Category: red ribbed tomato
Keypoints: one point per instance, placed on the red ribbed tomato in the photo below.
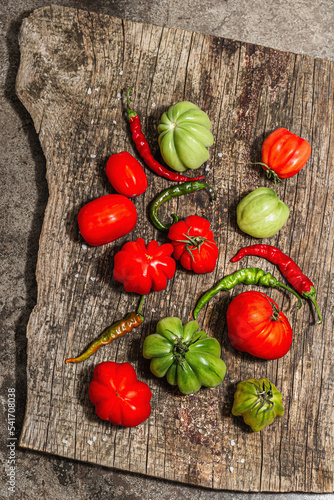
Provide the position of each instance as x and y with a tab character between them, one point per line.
284	153
106	219
194	244
142	268
118	395
126	174
257	326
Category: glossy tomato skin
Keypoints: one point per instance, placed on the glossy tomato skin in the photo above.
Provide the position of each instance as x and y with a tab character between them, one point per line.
200	257
126	174
142	268
106	219
285	153
118	395
253	329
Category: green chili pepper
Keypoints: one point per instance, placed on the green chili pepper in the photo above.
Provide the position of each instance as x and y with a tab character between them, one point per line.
248	276
115	331
181	189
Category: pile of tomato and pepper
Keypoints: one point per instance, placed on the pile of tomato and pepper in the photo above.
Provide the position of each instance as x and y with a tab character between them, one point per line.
181	352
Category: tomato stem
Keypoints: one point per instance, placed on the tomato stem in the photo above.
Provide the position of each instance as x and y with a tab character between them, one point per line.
270	173
194	241
264	394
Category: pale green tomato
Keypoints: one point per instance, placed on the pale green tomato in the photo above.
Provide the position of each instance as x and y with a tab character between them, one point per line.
261	213
184	135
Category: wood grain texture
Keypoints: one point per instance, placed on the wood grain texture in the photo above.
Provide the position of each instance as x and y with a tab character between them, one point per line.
75	68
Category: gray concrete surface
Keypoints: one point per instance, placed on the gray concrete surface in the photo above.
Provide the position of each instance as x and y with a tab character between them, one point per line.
301	26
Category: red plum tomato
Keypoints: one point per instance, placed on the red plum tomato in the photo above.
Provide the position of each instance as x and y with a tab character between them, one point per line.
126	174
106	219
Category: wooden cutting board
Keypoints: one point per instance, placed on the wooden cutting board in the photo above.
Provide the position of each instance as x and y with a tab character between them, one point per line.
75	69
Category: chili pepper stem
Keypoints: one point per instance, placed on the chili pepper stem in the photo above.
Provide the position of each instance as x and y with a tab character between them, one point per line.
309	296
140	305
292	291
131	112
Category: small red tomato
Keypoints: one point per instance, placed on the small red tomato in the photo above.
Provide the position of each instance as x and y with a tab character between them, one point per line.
284	153
257	326
194	244
143	268
118	395
106	219
126	174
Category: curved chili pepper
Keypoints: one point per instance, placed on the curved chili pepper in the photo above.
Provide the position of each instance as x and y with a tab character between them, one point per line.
290	270
167	194
115	331
247	276
145	151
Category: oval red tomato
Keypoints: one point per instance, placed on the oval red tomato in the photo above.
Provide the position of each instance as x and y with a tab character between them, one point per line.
284	153
118	395
194	244
106	219
257	326
126	174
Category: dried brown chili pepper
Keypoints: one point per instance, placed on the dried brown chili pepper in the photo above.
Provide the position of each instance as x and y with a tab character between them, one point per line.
145	151
290	270
115	331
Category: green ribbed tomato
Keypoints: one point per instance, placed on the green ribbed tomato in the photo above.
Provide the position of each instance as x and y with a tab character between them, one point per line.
261	213
184	135
186	356
258	402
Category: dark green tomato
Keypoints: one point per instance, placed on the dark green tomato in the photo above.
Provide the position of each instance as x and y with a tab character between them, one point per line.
187	357
258	402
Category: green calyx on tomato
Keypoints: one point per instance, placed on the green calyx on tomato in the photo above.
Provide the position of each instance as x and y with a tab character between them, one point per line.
258	402
261	213
187	357
184	135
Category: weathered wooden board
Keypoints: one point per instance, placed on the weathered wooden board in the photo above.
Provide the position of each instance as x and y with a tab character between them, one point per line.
75	68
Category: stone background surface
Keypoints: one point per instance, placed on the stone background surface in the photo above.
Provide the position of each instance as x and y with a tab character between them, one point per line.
301	26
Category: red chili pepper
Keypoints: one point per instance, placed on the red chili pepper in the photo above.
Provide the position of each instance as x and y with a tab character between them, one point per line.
290	270
145	151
